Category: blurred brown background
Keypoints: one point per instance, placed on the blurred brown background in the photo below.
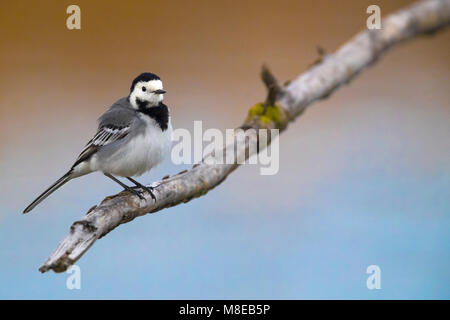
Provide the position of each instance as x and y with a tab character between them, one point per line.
55	82
209	54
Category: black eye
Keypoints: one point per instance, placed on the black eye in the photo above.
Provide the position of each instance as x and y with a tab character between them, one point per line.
144	89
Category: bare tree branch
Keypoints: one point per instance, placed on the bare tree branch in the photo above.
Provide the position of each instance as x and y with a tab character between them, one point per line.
324	77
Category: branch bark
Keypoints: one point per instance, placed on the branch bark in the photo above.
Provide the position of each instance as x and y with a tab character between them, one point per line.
323	78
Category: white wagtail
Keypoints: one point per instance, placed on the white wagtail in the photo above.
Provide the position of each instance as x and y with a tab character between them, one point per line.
133	136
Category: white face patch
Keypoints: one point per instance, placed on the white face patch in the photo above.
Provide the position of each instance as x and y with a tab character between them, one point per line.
145	91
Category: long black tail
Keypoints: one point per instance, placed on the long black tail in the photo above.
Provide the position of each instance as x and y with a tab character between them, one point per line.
65	178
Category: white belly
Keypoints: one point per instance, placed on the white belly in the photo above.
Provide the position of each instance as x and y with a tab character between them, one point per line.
140	154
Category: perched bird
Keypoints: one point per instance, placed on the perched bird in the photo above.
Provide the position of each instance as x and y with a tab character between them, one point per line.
133	136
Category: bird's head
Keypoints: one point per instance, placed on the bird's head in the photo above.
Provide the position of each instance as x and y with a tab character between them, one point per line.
146	91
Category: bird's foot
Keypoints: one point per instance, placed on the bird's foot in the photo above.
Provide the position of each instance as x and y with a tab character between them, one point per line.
150	191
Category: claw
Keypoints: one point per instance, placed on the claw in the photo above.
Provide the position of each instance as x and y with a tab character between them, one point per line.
149	190
145	188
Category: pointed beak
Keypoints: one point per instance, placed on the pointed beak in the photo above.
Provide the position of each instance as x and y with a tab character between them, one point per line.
160	91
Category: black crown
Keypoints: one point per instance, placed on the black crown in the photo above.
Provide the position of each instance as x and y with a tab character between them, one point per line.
146	76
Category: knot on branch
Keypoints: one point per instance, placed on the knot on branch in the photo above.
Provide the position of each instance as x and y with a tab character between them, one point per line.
86	226
273	88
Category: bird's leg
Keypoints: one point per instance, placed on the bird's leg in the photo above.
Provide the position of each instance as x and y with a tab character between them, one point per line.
148	189
135	192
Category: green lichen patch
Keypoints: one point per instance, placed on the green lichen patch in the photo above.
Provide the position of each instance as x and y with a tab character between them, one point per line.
266	114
